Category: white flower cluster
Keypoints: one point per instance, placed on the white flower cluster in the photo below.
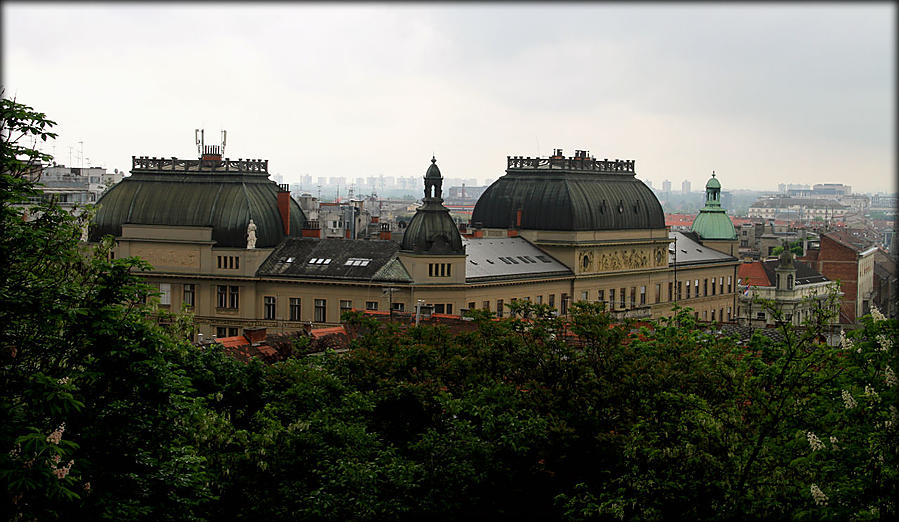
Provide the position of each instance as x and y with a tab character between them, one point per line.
877	315
818	495
849	400
871	392
889	376
833	443
886	344
845	342
814	441
56	436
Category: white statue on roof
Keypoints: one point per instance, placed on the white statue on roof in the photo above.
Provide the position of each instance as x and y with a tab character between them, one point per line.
251	235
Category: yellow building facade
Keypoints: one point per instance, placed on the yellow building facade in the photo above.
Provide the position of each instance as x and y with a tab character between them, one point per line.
233	246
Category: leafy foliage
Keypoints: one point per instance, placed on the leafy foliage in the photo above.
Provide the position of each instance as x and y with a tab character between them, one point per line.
106	414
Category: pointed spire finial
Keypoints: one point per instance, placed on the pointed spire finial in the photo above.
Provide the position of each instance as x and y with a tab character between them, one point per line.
433	158
713	173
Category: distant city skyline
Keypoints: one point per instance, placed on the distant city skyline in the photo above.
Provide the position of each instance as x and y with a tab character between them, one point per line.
762	94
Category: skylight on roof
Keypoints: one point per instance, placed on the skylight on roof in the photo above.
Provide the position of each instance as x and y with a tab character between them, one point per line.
357	261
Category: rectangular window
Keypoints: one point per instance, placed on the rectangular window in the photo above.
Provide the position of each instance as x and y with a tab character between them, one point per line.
670	293
499	307
232	331
658	292
688	289
189	298
713	286
564	304
584	295
236	262
539	299
713	315
219	258
430	269
294	308
269	307
234	297
552	300
320	315
705	286
439	308
623	298
471	305
600	296
760	316
642	295
449	307
221	331
371	305
728	313
221	296
611	299
728	284
165	293
680	289
486	305
399	307
345	306
633	296
696	286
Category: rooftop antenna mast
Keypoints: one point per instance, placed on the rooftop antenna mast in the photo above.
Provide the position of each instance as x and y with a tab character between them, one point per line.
224	139
198	137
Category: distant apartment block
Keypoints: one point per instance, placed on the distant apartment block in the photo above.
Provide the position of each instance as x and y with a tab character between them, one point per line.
797	209
685	187
75	187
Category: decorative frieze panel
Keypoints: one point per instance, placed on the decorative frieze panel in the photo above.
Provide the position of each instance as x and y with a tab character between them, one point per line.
609	259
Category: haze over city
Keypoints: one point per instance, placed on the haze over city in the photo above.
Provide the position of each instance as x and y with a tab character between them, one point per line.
762	94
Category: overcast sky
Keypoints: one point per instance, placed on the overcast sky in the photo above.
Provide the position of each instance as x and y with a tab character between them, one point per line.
761	93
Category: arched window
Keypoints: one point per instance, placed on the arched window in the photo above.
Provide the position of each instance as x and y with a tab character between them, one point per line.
790	282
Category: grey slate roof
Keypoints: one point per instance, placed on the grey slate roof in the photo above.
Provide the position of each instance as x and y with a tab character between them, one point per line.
568	200
805	274
225	201
509	258
340	259
690	252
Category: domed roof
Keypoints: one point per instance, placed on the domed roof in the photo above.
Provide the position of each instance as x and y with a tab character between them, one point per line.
713	224
432	230
224	200
786	257
568	197
433	171
712	221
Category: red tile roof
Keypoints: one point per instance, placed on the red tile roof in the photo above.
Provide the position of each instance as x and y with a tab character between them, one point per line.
753	274
232	342
318	333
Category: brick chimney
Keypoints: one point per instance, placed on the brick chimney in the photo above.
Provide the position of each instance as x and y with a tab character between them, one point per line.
312	229
284	206
254	335
385	231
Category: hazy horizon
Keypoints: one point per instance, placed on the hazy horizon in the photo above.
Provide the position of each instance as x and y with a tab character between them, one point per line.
760	93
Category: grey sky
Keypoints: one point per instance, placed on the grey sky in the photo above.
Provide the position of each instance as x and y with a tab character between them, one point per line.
761	93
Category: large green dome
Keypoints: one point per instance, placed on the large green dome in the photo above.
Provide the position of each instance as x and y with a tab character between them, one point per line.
712	221
714	225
